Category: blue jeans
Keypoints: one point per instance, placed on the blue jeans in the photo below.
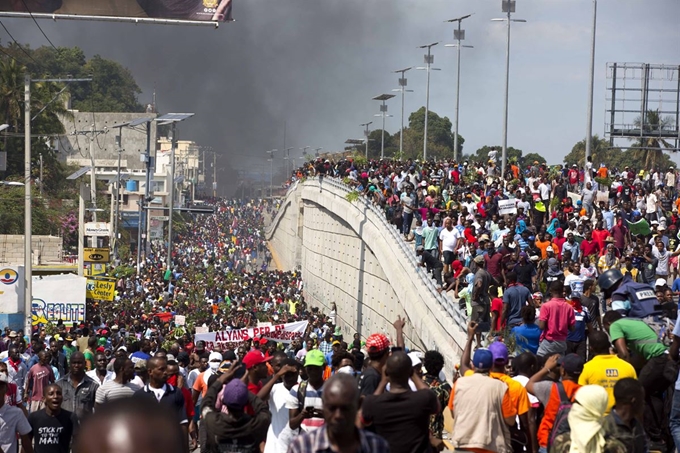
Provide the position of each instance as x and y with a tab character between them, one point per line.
406	226
542	450
674	419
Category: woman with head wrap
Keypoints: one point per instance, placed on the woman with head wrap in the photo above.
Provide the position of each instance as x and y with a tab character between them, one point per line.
587	434
554	225
521	226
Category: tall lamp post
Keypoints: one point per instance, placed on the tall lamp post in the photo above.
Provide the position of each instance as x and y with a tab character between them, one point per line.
508	7
287	158
172	118
271	171
589	124
383	113
458	35
429	60
402	89
365	125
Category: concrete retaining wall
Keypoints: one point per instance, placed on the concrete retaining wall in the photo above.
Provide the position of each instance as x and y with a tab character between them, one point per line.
351	256
46	249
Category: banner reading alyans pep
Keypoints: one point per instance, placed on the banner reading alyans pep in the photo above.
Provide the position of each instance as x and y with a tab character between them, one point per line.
283	333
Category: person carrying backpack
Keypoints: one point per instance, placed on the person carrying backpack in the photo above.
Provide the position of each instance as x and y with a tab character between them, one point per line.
556	397
586	431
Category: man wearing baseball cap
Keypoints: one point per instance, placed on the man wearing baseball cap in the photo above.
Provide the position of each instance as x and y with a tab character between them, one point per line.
256	367
473	398
235	429
378	348
305	405
551	394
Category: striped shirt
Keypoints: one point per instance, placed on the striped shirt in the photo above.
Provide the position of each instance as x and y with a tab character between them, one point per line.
317	442
312	399
112	390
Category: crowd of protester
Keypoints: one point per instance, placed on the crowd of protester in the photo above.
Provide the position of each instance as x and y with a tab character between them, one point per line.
571	345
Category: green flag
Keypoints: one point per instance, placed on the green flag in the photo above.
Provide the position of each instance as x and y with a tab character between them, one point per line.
167	275
641	227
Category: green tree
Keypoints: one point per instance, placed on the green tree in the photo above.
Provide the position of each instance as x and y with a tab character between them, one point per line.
482	154
440	137
611	156
530	158
648	150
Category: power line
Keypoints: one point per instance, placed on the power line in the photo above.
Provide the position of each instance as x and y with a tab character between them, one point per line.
94	124
10	56
18	45
38	25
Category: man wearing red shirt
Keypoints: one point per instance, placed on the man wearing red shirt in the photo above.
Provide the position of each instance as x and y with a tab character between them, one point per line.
559	241
600	235
556	320
256	366
589	246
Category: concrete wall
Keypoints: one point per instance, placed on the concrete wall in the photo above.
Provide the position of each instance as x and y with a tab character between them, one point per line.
46	249
133	141
351	256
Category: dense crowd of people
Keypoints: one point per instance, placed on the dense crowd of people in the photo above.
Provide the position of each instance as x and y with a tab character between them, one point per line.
572	346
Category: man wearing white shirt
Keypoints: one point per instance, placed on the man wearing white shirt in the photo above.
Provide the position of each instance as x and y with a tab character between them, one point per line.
450	240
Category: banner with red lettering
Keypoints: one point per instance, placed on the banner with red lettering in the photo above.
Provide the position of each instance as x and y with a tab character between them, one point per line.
230	339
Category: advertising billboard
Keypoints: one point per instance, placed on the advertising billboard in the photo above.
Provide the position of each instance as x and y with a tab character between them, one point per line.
175	10
58	297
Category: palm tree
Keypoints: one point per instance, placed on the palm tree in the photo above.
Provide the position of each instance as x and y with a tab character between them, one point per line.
11	91
649	148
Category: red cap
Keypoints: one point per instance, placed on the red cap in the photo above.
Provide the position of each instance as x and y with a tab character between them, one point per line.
254	358
263	341
377	342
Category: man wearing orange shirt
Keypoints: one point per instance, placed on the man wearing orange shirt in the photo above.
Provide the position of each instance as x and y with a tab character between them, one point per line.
548	392
476	396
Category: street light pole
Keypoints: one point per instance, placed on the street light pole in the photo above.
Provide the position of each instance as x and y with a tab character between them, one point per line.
28	220
429	60
172	197
458	35
402	89
508	6
383	113
589	124
271	172
366	135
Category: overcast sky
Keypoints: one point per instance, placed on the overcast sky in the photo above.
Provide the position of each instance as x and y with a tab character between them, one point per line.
315	64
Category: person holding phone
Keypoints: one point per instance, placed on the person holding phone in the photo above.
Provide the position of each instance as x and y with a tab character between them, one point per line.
304	403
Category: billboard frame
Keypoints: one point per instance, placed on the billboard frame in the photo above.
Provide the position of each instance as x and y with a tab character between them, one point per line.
134	20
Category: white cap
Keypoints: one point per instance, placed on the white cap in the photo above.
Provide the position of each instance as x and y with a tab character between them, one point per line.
415	358
661	282
549	249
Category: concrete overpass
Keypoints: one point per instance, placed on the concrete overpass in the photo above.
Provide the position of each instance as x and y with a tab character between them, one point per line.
350	255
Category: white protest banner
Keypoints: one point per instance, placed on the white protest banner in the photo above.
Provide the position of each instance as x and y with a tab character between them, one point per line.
283	333
180	320
201	329
602	196
507	207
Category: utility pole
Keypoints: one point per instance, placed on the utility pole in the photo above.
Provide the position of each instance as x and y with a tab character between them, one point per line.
92	135
402	89
458	35
429	60
114	235
214	175
41	176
